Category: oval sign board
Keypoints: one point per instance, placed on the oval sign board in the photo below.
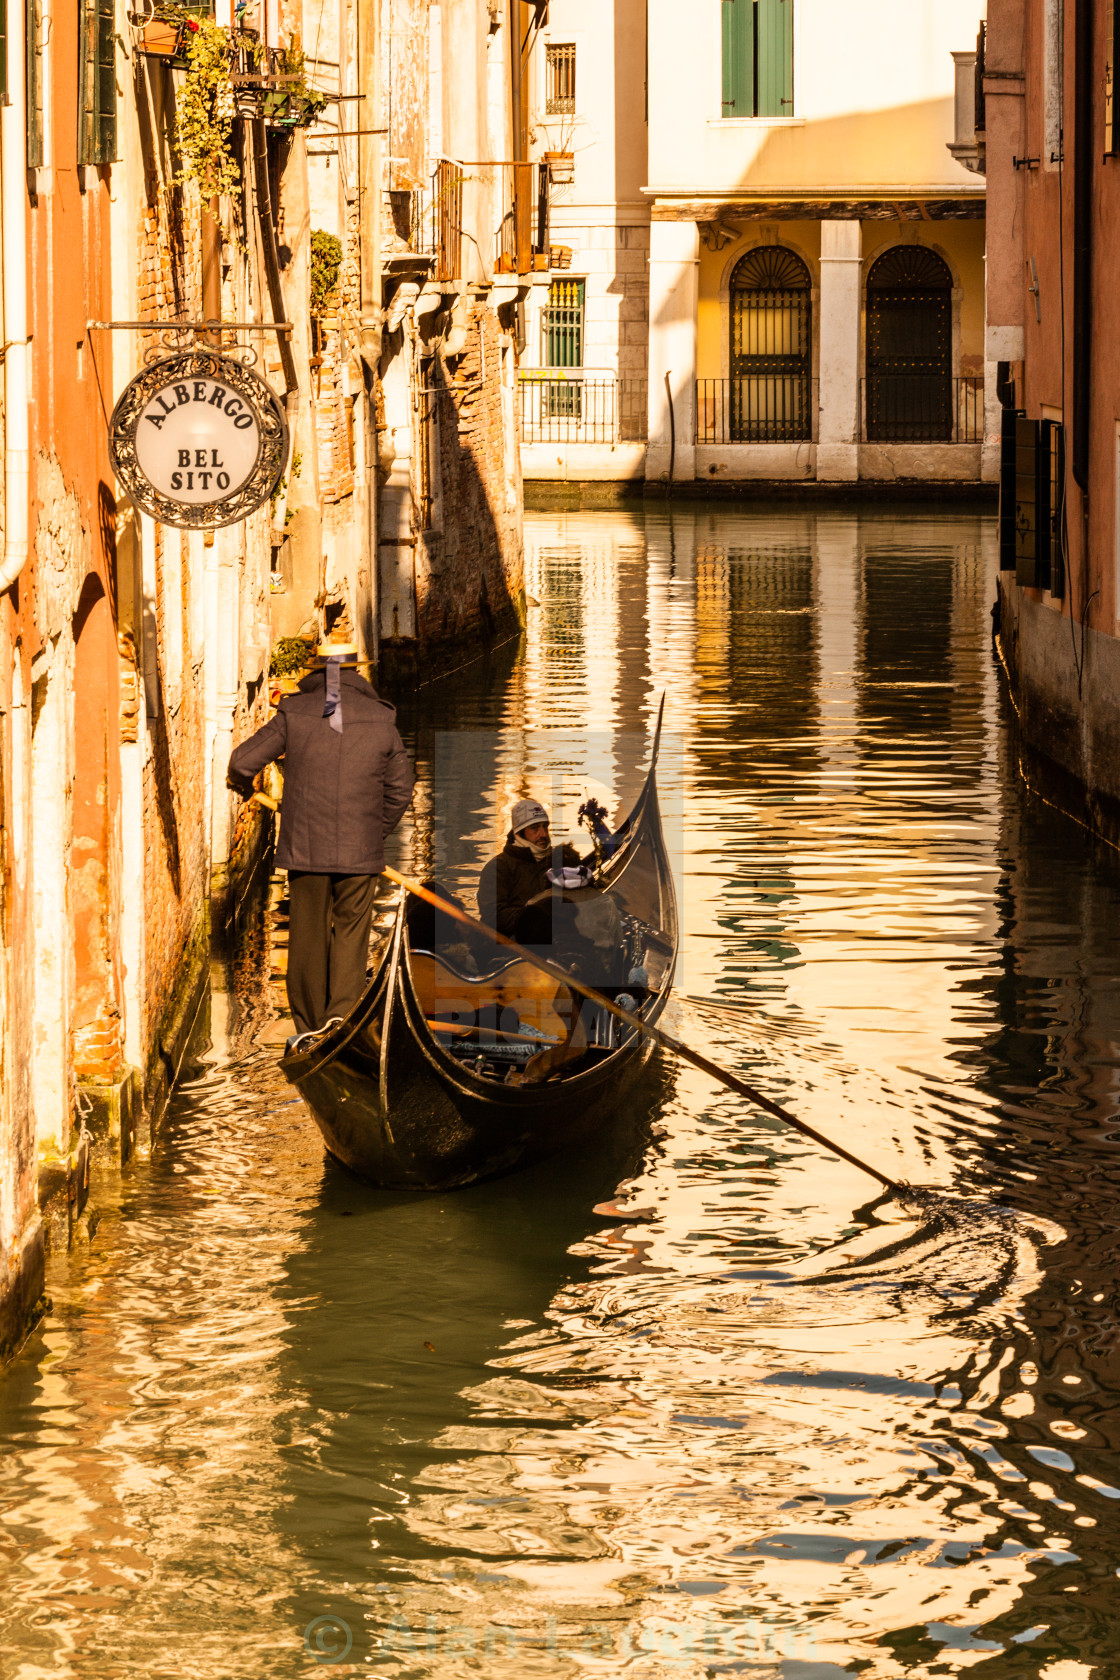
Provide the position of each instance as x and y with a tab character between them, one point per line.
198	439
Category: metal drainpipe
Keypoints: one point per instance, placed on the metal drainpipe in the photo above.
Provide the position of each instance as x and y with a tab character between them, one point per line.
516	91
368	52
13	255
267	223
1084	128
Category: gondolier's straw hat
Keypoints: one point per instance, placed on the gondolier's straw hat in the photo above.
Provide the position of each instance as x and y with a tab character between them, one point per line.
527	812
346	651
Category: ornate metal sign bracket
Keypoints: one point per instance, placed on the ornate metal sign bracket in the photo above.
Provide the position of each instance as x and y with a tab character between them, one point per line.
170	337
198	438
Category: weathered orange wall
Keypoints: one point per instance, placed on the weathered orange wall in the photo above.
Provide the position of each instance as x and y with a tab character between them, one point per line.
70	286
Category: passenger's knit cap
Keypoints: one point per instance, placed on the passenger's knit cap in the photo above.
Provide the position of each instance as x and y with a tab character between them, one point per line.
527	812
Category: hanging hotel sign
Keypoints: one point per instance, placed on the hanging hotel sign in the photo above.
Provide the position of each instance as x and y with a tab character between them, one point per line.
198	439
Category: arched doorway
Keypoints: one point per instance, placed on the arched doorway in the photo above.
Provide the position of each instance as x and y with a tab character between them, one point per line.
909	390
771	348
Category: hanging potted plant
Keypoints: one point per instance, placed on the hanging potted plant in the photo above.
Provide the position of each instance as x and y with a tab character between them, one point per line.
561	168
291	101
163	30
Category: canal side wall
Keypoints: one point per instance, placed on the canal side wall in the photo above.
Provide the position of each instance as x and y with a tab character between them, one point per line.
452	558
765	463
1065	684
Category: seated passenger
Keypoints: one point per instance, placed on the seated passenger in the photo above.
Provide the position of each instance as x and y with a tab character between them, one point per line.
432	930
524	870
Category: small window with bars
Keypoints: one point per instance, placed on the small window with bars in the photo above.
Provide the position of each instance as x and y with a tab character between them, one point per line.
563	346
97	82
560	80
563	324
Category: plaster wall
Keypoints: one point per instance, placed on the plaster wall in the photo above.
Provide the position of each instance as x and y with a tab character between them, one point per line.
873	101
602	216
1031	269
1061	650
449	561
21	1229
593	462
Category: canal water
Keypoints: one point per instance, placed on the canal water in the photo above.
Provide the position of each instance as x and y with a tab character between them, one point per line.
699	1402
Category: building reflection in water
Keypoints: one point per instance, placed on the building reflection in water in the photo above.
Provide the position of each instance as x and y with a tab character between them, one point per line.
730	1414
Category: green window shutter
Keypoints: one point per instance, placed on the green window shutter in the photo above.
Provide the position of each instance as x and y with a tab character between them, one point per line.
1057	496
1008	420
738	58
1026	502
106	81
34	14
87	80
4	50
97	82
775	58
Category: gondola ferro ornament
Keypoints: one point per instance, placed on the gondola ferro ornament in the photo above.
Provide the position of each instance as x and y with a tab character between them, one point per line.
198	439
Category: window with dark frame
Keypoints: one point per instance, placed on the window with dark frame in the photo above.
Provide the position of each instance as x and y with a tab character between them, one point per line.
1035	466
34	25
560	80
771	356
97	83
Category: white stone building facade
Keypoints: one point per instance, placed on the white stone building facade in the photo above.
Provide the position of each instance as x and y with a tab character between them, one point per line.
814	295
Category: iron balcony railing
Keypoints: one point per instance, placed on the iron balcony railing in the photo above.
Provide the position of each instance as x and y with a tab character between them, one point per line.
522	240
436	220
756	408
560	406
522	236
921	408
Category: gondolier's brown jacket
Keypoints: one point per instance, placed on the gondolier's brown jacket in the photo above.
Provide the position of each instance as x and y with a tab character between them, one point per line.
510	880
342	793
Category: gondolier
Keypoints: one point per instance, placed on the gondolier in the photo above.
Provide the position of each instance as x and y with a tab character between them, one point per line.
440	1077
347	783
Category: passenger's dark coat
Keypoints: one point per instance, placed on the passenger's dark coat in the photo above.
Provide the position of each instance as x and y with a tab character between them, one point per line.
342	793
510	880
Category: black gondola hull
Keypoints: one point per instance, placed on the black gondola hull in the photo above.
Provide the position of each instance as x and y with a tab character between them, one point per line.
396	1106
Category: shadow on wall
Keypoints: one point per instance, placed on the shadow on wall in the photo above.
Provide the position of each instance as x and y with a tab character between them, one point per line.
882	148
469	596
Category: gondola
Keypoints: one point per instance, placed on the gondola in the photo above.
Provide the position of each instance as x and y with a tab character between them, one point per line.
441	1076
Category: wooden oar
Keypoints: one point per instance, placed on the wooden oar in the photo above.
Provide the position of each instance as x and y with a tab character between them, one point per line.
659	1036
457	1027
684	1051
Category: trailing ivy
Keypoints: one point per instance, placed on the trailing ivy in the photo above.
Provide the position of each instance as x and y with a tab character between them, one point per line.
326	260
204	111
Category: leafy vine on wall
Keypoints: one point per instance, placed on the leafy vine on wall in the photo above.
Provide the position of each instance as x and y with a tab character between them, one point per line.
204	111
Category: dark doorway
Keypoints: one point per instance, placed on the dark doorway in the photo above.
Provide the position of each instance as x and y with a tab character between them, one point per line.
771	348
909	389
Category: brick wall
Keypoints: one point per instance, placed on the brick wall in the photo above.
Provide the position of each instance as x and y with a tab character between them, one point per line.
470	567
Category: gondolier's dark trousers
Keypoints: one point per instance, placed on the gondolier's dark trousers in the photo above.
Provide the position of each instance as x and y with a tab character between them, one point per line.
328	944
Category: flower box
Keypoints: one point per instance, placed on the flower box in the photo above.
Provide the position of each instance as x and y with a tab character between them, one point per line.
561	168
163	40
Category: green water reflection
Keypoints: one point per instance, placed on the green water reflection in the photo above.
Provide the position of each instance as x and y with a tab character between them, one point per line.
697	1403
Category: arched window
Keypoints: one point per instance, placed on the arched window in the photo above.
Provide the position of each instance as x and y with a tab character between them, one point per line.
909	390
771	348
